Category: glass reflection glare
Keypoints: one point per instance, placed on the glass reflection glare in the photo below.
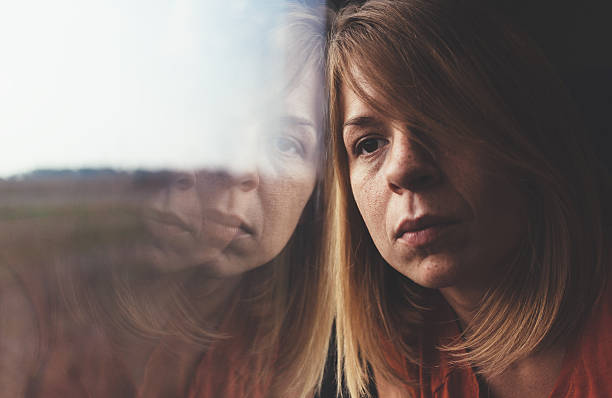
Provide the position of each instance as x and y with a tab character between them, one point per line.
114	84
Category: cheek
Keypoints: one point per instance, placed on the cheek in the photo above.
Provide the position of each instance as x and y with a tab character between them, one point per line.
181	202
370	198
498	210
283	203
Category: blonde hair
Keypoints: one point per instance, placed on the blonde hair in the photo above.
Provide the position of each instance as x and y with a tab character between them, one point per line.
288	302
456	70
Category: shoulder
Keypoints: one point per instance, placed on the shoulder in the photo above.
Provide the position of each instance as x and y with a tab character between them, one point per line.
596	337
83	363
587	371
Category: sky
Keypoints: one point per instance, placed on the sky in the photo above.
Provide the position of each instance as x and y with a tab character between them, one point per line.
131	83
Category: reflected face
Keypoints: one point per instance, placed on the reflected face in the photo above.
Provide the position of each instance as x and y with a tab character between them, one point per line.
231	221
441	217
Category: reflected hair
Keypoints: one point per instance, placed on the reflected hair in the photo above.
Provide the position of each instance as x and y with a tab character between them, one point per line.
288	301
456	70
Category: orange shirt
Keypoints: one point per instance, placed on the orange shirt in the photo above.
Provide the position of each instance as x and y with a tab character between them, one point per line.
586	371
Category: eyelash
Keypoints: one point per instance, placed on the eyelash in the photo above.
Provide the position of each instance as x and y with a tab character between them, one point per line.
299	148
358	150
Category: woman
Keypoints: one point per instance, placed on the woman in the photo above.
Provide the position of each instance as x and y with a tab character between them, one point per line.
474	255
217	288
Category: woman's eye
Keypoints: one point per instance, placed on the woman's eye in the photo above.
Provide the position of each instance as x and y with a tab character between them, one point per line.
369	145
288	146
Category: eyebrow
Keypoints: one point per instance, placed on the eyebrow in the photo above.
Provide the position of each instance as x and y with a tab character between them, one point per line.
297	120
361	121
311	131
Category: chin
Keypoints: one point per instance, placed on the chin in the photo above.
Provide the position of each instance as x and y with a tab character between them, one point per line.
433	272
224	273
226	266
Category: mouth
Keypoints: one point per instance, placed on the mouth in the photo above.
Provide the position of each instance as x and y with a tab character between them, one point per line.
423	230
216	225
231	223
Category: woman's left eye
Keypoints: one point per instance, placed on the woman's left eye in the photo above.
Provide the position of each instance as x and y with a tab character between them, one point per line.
288	146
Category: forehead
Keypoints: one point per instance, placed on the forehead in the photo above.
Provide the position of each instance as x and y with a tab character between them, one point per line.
304	99
366	91
351	104
358	112
354	87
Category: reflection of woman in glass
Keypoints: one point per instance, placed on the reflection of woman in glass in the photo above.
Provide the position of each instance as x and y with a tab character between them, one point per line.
475	258
228	297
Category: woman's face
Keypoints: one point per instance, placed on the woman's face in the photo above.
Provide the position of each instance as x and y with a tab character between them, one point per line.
440	216
234	219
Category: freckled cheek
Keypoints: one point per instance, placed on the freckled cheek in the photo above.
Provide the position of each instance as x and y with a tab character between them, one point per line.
282	205
284	199
357	186
370	200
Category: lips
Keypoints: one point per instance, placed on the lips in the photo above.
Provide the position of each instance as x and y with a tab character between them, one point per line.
215	224
228	221
423	230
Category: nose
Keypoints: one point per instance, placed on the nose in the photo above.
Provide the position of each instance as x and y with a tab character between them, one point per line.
409	166
243	179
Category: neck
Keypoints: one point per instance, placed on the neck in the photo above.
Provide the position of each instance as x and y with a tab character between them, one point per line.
464	301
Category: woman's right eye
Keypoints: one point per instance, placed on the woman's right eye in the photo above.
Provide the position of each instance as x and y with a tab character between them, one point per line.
369	145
